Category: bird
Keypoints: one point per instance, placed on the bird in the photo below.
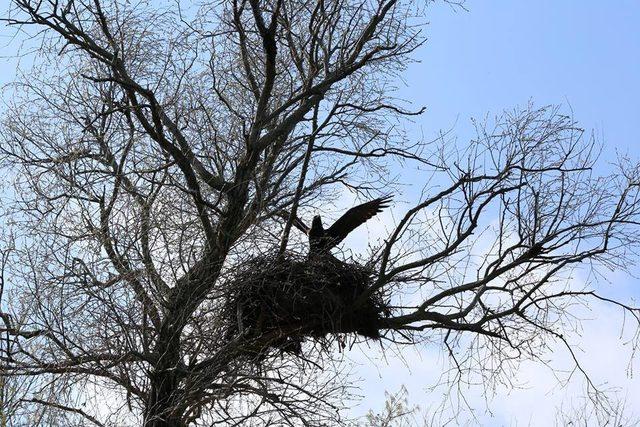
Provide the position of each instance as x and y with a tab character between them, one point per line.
321	240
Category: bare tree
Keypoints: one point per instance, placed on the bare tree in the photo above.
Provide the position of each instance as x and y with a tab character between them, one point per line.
398	412
154	148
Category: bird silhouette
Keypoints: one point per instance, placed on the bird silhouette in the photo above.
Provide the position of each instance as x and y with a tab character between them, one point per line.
321	240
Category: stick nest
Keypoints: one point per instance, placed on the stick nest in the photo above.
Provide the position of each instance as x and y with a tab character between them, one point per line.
285	300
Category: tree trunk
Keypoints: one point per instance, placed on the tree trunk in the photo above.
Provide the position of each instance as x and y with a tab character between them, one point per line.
162	407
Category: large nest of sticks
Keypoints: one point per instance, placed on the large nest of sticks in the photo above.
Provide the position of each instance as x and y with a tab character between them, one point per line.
288	298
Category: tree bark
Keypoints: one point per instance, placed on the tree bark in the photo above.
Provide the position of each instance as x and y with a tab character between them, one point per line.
162	409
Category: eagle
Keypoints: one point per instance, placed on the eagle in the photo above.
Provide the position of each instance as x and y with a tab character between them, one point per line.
321	240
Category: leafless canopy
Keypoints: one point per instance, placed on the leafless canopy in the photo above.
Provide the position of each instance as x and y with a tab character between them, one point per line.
154	146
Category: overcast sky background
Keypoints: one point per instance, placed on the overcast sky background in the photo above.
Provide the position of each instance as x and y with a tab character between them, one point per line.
501	54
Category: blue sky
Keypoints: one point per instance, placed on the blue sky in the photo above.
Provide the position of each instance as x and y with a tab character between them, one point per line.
503	52
499	54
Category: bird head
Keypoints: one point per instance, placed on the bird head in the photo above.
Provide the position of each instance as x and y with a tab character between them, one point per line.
316	224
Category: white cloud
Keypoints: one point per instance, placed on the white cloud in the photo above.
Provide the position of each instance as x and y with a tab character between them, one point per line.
540	391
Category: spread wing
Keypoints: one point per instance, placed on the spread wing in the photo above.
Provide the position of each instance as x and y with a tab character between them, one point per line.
300	225
354	218
297	222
